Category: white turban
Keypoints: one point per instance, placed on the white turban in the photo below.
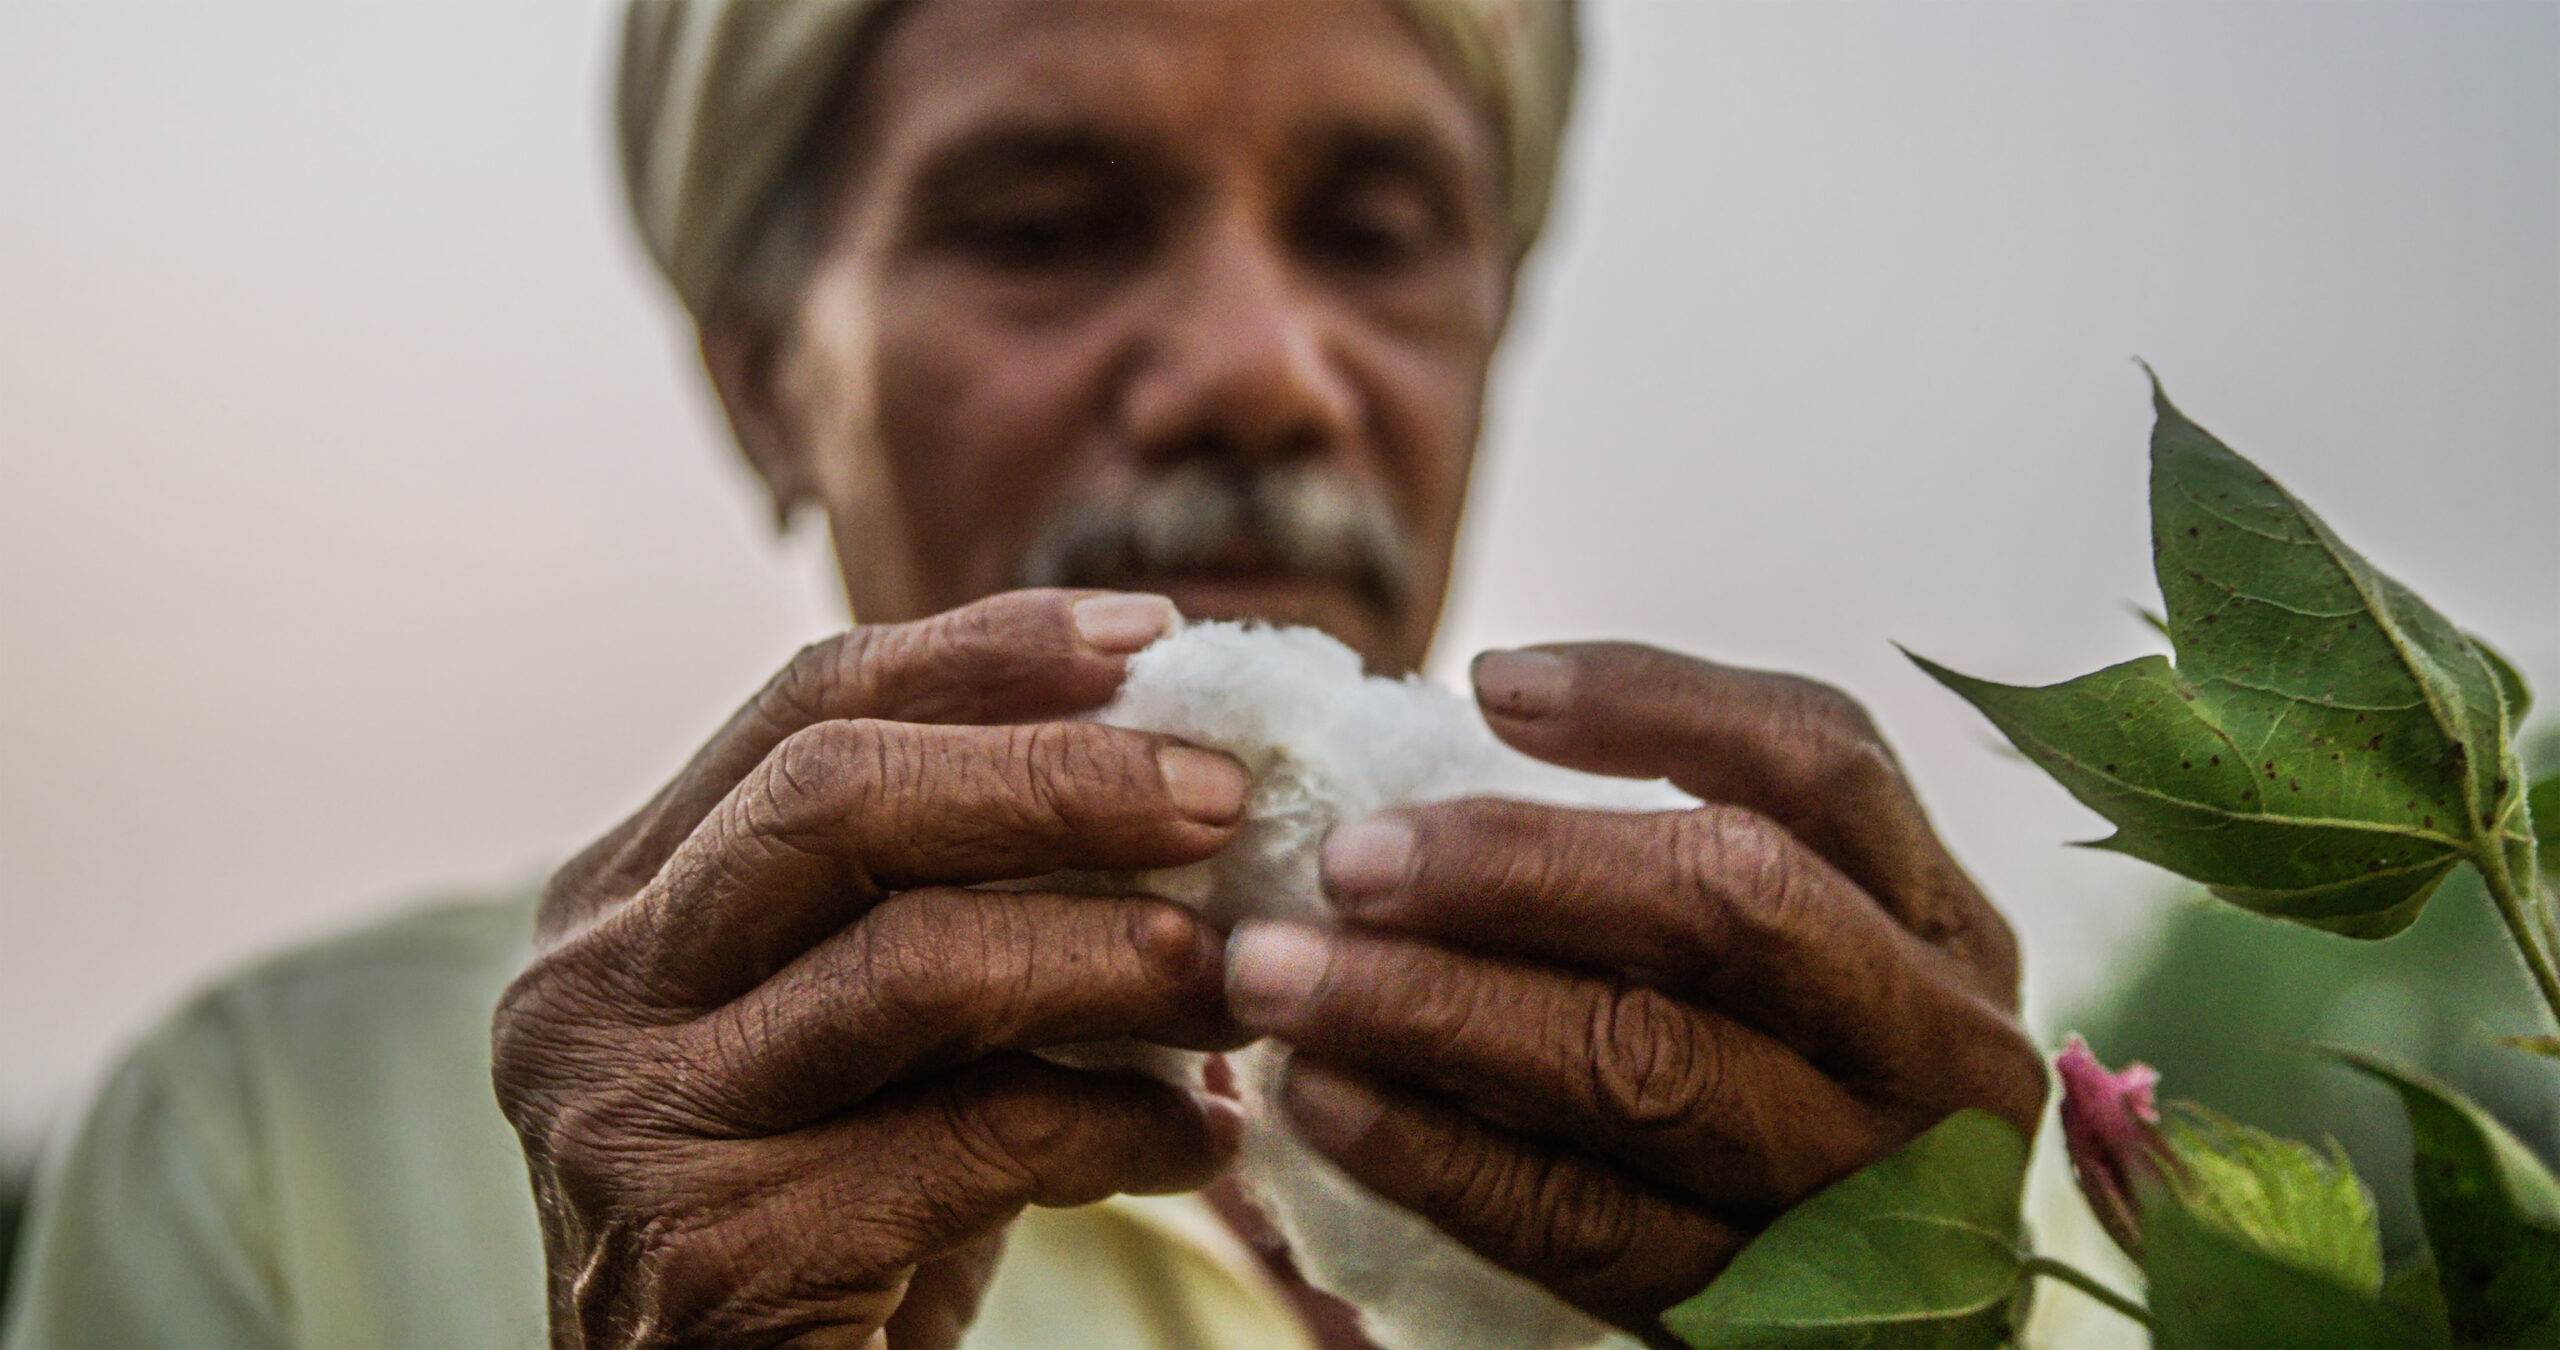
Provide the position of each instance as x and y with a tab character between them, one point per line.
719	99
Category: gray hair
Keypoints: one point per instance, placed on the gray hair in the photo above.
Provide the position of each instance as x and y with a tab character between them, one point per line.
1202	515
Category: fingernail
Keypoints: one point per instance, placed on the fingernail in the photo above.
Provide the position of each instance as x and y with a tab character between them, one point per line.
1272	973
1205	785
1521	684
1331	1111
1121	624
1368	857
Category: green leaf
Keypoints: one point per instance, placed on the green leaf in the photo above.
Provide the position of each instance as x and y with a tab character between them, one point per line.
2492	1212
1919	1249
2413	1290
2210	1291
2511	685
2538	1045
2276	1196
2326	749
2542	801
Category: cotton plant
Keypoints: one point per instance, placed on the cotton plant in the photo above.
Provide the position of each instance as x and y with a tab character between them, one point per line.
1327	744
2324	748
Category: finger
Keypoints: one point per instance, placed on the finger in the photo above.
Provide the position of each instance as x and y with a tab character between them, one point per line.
1679	1095
822	1228
1603	1241
843	813
935	978
1717	903
1018	657
1801	753
942	1297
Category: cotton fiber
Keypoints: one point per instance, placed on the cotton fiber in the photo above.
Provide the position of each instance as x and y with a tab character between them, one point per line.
1326	744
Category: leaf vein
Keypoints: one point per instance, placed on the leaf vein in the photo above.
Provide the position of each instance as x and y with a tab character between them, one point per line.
2291	697
2238	524
2256	817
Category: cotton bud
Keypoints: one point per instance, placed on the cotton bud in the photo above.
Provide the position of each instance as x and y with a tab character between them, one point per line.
2111	1128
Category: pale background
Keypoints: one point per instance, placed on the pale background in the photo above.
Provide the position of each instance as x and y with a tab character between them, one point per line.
364	531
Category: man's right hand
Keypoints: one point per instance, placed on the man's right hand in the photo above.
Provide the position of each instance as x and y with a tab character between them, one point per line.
769	1064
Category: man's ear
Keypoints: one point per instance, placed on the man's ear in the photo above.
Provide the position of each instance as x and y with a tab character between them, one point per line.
743	356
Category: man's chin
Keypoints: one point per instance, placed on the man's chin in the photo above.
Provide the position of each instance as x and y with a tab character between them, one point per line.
1359	619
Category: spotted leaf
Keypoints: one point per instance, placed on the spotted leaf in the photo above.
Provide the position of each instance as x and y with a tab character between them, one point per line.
2324	748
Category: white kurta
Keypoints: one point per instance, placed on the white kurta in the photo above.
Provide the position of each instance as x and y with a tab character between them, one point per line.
311	1155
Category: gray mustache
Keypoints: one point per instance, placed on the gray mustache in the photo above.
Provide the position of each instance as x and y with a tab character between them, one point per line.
1200	517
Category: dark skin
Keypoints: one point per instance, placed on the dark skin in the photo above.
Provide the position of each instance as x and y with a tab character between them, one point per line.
770	1065
1604	1050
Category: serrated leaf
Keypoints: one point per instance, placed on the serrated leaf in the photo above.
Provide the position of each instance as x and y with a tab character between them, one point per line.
2327	747
1919	1249
2209	1291
2492	1212
2275	1195
2131	743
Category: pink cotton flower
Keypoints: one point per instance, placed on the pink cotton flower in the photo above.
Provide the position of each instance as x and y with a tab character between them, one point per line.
2112	1130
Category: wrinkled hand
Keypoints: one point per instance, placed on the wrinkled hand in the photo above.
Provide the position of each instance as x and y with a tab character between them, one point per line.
768	1064
1604	1050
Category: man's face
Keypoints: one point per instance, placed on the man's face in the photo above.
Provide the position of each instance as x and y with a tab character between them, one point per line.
1187	296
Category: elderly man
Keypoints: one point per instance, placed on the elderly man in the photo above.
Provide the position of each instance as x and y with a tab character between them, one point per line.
1166	306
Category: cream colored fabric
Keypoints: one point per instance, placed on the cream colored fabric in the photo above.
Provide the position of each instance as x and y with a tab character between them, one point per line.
310	1155
717	101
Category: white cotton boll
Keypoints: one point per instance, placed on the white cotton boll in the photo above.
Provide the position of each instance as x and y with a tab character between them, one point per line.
1326	744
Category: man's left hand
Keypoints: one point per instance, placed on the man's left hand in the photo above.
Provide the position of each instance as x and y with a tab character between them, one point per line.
1605	1049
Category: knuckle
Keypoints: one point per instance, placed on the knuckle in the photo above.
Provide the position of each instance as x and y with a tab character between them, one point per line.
1826	711
1053	763
1066	767
949	973
1571	1221
821	680
593	1139
1002	1139
727	1075
551	1021
1744	866
1653	1067
708	1281
1474	1179
909	965
1592	1226
1436	1010
988	623
819	774
1836	748
1516	847
1023	1129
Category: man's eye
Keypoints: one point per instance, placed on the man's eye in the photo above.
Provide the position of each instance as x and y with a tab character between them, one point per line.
1044	239
1372	227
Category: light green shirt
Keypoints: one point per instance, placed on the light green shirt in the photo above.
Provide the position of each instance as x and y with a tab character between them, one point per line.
310	1155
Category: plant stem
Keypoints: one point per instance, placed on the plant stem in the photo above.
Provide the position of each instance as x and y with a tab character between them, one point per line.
2527	909
2086	1283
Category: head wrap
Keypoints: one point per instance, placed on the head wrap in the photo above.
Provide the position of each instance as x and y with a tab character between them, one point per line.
718	102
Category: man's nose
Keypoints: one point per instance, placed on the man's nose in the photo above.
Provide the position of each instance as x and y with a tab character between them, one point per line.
1239	359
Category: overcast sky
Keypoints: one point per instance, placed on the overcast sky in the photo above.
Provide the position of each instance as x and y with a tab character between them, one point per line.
364	532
